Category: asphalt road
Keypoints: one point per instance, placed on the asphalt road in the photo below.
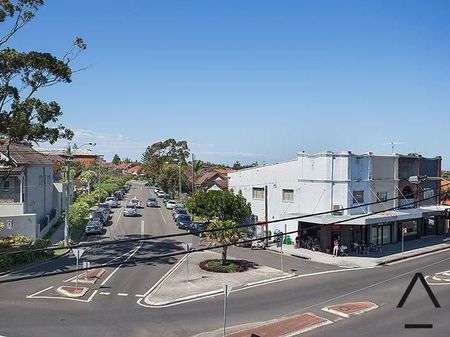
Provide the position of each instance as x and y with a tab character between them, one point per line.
120	315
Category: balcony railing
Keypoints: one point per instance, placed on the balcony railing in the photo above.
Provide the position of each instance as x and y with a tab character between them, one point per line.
406	203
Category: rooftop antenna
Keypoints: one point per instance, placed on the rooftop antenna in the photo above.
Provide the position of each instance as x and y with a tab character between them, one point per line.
393	144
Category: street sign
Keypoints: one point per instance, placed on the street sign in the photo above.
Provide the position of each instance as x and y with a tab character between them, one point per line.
78	253
405	230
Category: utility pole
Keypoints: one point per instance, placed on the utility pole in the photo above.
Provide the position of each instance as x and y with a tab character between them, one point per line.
99	178
66	220
193	174
266	215
179	180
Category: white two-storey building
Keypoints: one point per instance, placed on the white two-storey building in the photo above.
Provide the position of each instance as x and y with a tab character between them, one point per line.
370	195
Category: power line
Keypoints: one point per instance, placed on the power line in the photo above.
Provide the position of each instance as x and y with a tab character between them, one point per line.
151	258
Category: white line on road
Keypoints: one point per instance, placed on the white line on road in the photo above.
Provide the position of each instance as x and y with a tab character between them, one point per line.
39	292
134	251
104	293
140	296
162	215
122	294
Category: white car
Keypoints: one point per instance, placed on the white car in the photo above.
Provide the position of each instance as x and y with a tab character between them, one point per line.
258	244
170	204
129	210
160	193
136	202
112	202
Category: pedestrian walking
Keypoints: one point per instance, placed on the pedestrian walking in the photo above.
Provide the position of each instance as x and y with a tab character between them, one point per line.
335	247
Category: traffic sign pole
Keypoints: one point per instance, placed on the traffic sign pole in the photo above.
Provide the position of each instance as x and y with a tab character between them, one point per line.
226	291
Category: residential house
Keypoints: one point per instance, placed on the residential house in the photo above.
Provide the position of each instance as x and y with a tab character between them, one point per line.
84	156
30	202
370	196
212	180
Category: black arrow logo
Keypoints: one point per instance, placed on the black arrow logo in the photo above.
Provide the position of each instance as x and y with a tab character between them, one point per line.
425	285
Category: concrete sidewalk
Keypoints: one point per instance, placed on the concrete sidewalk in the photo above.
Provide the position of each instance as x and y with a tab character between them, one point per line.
388	253
174	288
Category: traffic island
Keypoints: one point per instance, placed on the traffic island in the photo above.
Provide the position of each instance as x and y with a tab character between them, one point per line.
72	292
350	309
187	282
285	327
89	276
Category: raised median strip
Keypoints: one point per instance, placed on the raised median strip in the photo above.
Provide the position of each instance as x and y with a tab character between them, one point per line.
350	309
90	276
286	327
72	292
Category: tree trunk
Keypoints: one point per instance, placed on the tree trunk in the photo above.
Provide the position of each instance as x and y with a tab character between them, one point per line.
224	255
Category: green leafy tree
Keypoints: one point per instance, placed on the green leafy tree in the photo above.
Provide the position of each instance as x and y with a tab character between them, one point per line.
23	116
225	210
160	153
88	178
78	213
116	159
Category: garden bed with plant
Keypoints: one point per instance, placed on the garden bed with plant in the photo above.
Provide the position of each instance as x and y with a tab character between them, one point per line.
230	266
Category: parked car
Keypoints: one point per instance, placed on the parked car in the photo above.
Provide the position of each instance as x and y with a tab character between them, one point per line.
94	227
170	204
129	210
175	207
106	206
166	198
244	242
119	195
160	193
178	212
112	202
197	228
184	221
258	244
99	215
152	202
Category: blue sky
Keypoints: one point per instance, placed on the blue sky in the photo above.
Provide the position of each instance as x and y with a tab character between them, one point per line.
253	80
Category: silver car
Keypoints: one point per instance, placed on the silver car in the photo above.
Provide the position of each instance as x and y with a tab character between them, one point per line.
130	210
112	202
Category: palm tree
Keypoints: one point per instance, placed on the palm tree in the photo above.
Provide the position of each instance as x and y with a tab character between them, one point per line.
229	235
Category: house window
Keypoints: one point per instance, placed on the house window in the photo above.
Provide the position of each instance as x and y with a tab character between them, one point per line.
288	195
358	197
382	196
258	193
6	186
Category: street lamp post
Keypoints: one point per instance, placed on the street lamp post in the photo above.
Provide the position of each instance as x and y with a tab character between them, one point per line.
69	159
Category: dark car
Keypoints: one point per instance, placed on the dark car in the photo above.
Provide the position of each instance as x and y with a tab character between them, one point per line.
94	227
166	198
179	211
197	228
106	206
99	216
119	195
152	202
184	221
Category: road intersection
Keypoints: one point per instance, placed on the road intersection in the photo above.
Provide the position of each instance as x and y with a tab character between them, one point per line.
111	307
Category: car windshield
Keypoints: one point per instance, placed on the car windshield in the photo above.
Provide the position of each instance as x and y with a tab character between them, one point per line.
184	218
130	206
152	199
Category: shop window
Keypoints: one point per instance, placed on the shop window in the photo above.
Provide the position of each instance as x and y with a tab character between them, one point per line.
258	193
288	195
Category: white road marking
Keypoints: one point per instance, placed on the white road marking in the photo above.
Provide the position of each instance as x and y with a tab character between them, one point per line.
67	298
104	293
134	251
122	294
39	292
140	296
162	215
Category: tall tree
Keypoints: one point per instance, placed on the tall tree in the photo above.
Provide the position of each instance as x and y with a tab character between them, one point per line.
116	159
23	116
88	178
225	210
168	151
